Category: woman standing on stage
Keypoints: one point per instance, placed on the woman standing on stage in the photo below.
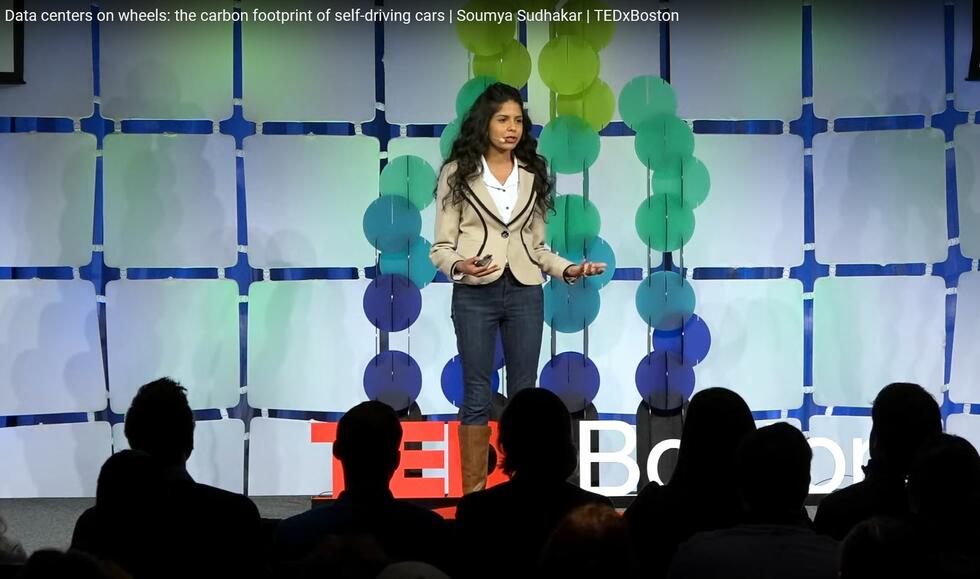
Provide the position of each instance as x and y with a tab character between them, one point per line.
492	200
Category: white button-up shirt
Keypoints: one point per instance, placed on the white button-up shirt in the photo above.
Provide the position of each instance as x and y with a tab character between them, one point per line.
504	194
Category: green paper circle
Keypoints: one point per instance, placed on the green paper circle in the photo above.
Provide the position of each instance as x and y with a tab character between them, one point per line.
574	225
596	33
486	38
688	182
570	144
511	66
413	263
646	97
469	92
663	141
448	137
409	176
568	64
596	105
663	223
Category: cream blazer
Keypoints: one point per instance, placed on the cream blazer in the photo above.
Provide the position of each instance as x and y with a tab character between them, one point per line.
475	228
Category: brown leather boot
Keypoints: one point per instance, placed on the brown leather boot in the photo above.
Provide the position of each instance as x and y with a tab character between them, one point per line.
474	446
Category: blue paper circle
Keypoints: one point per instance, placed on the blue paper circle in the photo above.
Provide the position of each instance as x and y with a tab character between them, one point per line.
665	300
391	223
598	250
394	378
451	381
573	377
392	302
570	308
413	264
664	380
691	342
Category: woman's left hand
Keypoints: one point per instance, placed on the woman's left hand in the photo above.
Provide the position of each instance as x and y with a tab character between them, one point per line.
587	268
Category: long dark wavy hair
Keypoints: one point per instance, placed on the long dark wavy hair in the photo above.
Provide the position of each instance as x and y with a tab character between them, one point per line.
474	140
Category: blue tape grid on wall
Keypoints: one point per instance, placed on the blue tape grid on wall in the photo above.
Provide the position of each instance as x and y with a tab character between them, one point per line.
238	126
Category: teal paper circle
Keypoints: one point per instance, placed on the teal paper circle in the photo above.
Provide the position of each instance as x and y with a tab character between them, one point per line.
411	177
569	144
413	264
663	223
469	92
574	225
663	141
570	308
448	137
665	300
392	223
644	98
687	182
599	251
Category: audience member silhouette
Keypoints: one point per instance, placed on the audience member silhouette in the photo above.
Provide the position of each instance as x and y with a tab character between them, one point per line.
411	570
944	496
218	530
773	470
130	519
347	556
903	415
53	564
535	436
882	548
592	541
368	446
699	496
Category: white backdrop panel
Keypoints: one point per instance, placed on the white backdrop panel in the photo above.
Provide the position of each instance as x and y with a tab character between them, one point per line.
170	200
965	425
56	460
869	332
755	202
167	70
308	344
756	340
306	200
47	200
617	343
283	461
965	366
880	197
425	66
185	329
50	357
877	58
760	66
318	71
966	140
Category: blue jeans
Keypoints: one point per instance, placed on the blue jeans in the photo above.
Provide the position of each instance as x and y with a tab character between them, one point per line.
515	309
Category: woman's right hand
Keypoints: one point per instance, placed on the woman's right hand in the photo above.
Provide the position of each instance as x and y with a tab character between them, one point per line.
470	267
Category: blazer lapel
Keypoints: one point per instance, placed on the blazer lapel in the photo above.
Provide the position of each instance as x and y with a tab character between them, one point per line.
525	183
484	200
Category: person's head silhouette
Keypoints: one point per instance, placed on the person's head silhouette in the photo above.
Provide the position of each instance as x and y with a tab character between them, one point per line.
536	436
903	416
368	444
715	422
160	422
773	468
